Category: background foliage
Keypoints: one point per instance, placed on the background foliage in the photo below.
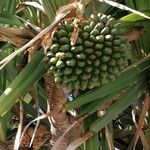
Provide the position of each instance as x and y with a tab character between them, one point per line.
21	80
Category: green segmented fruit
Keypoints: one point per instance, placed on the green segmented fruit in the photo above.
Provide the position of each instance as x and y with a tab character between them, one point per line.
85	35
60	64
58	72
100	38
94	18
52	69
112	62
111	22
88	69
92	24
69	27
95	32
95	78
62	33
64	40
83	84
71	62
50	54
103	67
116	55
89	50
69	55
108	44
99	46
85	76
73	77
104	75
79	41
89	62
65	80
92	57
109	37
118	27
113	70
107	51
81	63
122	48
93	39
104	18
105	31
99	15
91	85
88	44
123	39
99	26
64	48
97	57
58	79
77	49
55	48
111	77
98	53
53	60
105	58
78	71
114	31
116	49
80	56
69	85
121	68
105	80
109	17
67	71
76	84
96	63
120	61
60	55
87	29
96	71
116	42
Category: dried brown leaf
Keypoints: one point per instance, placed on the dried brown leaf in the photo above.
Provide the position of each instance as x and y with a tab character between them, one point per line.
42	135
134	34
15	36
73	145
74	35
140	124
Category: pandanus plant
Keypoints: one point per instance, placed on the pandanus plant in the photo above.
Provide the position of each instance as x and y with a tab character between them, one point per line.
74	74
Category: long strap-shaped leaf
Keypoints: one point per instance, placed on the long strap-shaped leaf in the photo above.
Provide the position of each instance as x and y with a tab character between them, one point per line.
123	7
23	82
130	97
119	106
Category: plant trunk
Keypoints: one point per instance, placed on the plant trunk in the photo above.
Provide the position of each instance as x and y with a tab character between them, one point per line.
60	121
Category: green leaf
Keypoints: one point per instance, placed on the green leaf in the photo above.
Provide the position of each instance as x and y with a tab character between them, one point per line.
133	18
4	126
11	6
139	4
92	143
92	107
119	106
30	74
51	7
9	19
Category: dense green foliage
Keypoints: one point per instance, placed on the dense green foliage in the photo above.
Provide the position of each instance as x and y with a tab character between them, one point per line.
98	57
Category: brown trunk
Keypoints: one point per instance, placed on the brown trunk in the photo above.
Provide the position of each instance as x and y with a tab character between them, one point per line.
60	121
